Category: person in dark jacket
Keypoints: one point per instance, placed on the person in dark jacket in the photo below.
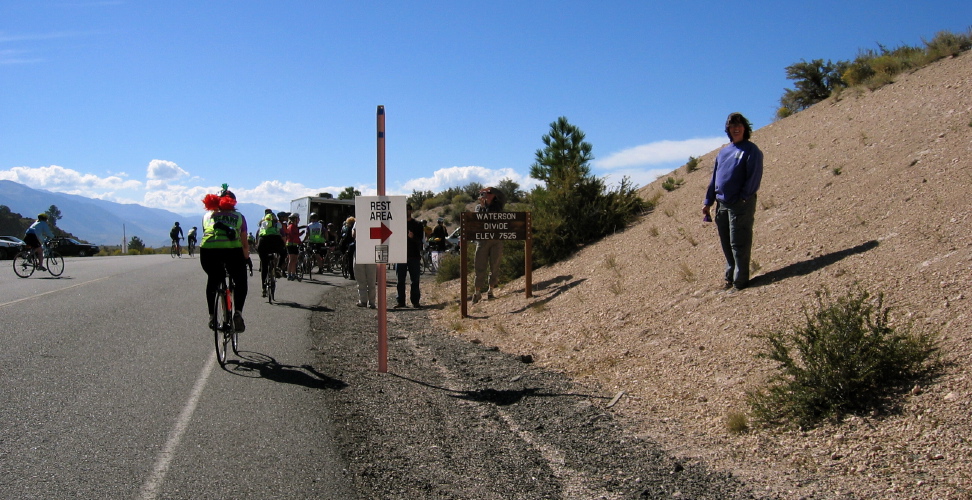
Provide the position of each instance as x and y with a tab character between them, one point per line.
489	253
736	176
415	241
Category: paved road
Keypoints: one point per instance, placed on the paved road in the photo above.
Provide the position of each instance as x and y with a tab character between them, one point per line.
110	389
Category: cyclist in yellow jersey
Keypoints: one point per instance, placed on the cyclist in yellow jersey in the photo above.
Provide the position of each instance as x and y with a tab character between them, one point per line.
224	243
315	240
270	246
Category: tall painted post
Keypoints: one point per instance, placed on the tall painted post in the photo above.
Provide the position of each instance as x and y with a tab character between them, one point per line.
382	268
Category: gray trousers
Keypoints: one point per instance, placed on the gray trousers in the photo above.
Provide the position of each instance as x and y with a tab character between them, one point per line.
735	223
489	253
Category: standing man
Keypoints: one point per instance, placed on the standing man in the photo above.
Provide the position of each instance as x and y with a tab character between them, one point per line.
414	242
735	179
489	253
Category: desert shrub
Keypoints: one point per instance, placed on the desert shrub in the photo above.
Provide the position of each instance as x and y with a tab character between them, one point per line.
671	184
692	164
947	44
847	359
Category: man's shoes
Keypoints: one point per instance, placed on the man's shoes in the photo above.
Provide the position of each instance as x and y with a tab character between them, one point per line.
415	305
399	306
41	268
371	305
727	285
489	295
238	322
476	298
264	291
212	321
360	304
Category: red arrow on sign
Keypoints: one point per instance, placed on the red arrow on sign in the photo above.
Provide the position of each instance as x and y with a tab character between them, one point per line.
380	233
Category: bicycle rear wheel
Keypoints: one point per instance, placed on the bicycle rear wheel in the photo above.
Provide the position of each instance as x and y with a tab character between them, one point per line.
271	286
222	323
192	249
55	264
23	264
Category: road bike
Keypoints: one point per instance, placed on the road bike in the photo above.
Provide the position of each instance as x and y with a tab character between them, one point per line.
176	250
24	263
301	262
224	330
347	263
191	247
269	269
428	264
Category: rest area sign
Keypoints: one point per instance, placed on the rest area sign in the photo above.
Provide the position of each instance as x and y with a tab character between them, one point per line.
381	229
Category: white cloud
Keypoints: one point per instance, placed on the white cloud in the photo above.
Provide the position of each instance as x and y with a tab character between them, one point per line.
66	180
164	170
658	152
445	178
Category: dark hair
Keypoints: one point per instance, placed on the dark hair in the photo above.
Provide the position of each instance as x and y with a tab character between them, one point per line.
739	118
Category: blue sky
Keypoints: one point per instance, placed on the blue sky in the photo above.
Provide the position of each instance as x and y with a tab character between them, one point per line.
159	102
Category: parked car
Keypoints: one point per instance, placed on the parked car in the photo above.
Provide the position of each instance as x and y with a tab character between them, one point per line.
9	246
453	241
70	246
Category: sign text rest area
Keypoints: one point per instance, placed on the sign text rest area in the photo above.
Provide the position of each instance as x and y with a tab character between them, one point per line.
494	225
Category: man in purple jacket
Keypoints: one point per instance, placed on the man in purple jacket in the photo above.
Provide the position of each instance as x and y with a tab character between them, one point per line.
735	179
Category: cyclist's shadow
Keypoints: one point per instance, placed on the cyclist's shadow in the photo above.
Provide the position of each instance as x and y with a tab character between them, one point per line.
258	365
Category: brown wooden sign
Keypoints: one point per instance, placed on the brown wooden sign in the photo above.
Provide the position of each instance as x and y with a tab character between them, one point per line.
503	226
507	226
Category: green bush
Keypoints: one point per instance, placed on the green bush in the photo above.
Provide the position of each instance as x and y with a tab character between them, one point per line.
847	359
671	184
692	164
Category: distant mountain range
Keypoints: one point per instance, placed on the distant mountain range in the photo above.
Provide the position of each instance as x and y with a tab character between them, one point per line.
107	222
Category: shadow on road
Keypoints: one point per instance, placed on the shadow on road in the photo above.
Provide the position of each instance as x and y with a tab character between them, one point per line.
503	397
258	365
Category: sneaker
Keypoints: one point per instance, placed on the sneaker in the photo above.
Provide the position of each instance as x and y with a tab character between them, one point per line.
371	305
399	306
727	285
264	291
475	298
489	295
212	321
416	306
360	304
41	268
238	322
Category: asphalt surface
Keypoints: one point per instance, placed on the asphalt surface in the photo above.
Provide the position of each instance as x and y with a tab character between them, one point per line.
110	390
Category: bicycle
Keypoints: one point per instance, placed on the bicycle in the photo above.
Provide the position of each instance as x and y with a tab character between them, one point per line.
269	269
24	263
427	263
191	247
176	250
301	262
347	263
224	330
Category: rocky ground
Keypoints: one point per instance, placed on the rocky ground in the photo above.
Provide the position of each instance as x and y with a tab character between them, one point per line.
865	190
458	419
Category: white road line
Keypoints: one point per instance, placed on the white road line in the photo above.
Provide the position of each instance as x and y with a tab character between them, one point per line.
150	489
54	291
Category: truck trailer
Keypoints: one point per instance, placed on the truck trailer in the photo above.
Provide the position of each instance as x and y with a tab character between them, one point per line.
327	209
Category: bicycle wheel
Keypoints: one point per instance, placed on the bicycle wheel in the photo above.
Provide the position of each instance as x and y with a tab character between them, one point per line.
55	264
220	326
23	264
271	286
172	251
192	249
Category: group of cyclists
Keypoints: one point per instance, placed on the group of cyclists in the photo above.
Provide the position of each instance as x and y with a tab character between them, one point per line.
175	234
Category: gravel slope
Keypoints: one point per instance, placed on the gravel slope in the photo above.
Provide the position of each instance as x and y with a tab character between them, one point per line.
458	419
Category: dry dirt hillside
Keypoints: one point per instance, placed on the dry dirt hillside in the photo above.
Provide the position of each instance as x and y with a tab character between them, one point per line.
870	188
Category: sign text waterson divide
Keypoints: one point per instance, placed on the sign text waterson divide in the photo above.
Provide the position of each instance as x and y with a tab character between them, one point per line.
495	226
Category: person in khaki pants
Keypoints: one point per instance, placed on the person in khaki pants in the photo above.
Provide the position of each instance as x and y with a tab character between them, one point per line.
489	253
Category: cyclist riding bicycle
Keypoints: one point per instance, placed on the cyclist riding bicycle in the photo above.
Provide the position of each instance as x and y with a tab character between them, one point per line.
38	232
316	241
270	247
176	234
191	237
224	249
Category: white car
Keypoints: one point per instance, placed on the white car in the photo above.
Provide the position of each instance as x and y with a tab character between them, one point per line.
9	246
